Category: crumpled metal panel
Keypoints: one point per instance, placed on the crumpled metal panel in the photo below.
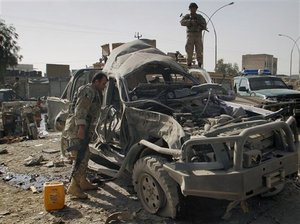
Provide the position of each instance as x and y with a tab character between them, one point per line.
135	55
145	124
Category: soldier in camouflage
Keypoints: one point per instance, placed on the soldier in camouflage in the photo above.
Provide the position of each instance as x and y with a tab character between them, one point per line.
195	24
86	108
16	86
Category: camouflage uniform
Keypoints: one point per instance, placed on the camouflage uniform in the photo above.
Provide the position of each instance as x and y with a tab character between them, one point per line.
87	107
195	25
17	88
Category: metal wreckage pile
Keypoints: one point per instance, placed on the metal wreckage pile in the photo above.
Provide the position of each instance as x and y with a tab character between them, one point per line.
178	134
19	120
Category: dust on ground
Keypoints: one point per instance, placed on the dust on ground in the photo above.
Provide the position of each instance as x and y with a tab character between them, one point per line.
19	204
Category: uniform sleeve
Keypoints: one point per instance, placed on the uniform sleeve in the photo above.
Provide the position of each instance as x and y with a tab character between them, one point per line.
201	22
186	21
83	104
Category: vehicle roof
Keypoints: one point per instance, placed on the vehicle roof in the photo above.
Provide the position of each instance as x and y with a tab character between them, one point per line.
79	71
135	55
256	72
256	76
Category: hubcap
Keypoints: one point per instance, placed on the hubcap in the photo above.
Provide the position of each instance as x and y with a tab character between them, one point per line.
151	192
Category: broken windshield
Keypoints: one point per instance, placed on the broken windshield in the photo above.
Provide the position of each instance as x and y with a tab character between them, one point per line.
156	85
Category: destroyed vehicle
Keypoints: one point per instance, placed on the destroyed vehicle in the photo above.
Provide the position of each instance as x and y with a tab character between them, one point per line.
20	118
270	92
175	137
8	95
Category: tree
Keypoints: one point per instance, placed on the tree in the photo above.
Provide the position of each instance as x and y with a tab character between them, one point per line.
227	69
9	50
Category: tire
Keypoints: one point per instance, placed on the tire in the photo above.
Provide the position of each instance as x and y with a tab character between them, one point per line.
157	191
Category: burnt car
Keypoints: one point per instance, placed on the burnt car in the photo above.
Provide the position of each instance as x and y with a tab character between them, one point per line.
176	137
9	95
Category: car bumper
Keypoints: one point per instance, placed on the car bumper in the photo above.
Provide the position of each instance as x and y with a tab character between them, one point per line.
230	184
235	179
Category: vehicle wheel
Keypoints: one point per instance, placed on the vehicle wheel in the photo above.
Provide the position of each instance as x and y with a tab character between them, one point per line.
156	190
272	192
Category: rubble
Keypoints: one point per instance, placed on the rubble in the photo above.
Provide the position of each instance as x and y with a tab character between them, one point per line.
59	164
8	177
2	213
117	196
11	139
33	160
19	119
33	189
49	164
50	151
121	217
3	151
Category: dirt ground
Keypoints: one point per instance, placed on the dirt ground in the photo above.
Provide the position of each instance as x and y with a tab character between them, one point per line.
18	204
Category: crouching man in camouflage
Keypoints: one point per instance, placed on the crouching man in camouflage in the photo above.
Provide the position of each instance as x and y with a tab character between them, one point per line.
86	110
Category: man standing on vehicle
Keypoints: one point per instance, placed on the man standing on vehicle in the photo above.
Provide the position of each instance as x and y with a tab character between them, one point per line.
195	24
84	115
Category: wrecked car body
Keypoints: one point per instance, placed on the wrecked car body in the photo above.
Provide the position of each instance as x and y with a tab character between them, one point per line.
20	118
175	136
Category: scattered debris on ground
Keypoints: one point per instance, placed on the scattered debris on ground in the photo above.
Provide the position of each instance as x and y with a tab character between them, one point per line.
114	201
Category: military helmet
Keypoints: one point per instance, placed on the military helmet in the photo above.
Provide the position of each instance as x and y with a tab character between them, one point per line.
193	5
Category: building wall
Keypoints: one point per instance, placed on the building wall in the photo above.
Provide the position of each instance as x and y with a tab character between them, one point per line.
260	61
36	90
274	66
57	87
58	76
57	71
22	67
25	72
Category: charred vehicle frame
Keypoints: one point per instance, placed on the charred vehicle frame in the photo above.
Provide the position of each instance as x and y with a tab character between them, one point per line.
175	136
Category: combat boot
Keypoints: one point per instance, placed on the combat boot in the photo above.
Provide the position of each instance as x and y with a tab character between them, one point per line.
75	191
85	185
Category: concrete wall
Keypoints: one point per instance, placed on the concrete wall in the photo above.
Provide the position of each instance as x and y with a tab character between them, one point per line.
38	89
57	87
22	67
260	61
57	71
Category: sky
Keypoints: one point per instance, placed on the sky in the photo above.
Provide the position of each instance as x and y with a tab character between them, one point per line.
72	32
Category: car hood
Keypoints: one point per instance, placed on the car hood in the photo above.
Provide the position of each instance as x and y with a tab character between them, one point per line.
278	92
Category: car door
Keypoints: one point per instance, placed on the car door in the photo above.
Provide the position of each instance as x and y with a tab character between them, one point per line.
59	105
109	123
243	88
